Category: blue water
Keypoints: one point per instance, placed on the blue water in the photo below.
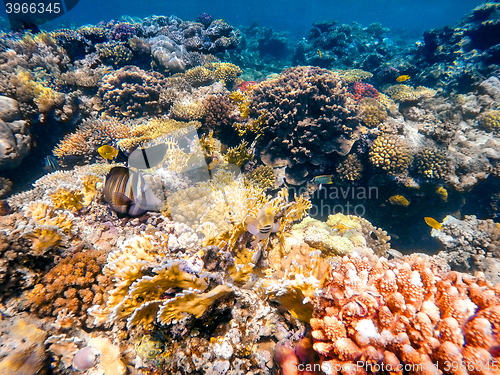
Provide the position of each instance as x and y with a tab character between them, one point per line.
294	16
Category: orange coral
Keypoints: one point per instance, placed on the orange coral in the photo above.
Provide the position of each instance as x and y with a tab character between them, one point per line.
406	312
66	199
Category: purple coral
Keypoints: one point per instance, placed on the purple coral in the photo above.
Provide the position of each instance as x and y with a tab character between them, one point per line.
205	19
122	32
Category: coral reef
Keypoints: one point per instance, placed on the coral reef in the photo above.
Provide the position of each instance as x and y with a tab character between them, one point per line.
304	139
131	92
403	312
391	154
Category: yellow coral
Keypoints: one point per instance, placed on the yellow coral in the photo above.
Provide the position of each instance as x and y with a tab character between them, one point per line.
90	189
405	93
350	168
191	303
372	112
263	176
110	362
224	72
199	76
490	120
187	110
44	239
432	163
390	154
354	75
70	200
239	155
241	101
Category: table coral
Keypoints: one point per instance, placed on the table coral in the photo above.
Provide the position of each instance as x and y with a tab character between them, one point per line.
403	312
390	153
309	118
131	92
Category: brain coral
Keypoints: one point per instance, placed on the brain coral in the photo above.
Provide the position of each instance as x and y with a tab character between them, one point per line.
310	116
405	312
131	92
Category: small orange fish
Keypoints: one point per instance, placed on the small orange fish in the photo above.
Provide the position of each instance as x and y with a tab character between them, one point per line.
107	152
433	223
320	54
403	78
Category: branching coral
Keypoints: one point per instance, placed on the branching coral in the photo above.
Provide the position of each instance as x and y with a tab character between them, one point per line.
263	176
239	155
91	134
131	92
309	117
404	312
350	168
114	53
70	200
432	163
224	72
199	76
391	154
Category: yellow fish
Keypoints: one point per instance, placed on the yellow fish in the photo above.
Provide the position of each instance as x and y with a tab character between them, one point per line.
433	223
399	200
403	78
107	152
443	193
262	226
323	179
320	55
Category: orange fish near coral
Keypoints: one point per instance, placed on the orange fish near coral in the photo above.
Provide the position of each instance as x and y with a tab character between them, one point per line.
433	223
403	78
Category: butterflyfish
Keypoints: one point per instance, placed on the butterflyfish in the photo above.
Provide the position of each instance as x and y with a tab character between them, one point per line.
433	223
146	158
107	152
403	78
128	193
263	225
320	54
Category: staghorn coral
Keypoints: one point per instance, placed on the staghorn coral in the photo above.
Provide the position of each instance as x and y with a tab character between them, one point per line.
372	112
403	312
490	120
75	283
390	153
407	94
309	118
349	168
239	155
432	163
131	92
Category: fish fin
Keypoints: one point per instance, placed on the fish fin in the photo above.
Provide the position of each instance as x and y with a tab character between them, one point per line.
253	225
121	199
136	210
121	209
276	226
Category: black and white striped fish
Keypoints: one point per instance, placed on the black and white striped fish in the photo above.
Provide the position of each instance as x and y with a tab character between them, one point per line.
263	225
128	193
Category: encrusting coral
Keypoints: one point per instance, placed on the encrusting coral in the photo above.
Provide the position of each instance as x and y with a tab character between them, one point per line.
406	312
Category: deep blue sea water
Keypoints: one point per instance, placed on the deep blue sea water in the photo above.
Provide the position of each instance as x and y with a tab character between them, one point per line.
294	16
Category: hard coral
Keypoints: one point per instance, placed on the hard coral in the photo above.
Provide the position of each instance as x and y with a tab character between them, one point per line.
350	168
432	163
309	118
372	112
408	94
391	154
403	312
75	283
131	92
490	120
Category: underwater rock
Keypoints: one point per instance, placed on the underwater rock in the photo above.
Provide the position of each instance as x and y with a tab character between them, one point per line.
15	143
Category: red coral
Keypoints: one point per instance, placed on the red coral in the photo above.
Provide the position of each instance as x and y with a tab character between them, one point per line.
362	90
